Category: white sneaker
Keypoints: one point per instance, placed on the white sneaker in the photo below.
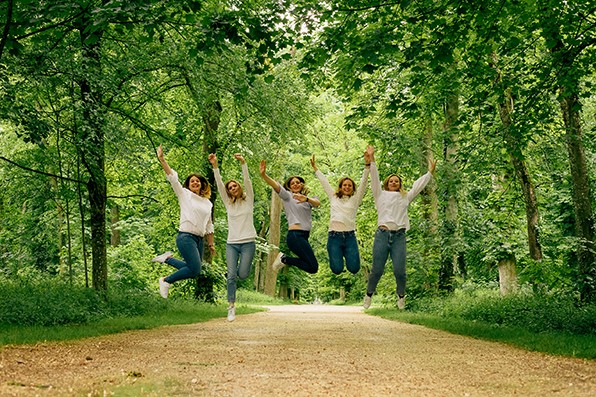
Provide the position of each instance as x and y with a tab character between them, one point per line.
401	303
367	301
162	258
277	263
164	287
231	313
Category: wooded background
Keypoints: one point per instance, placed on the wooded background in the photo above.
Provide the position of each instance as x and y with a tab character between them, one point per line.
500	93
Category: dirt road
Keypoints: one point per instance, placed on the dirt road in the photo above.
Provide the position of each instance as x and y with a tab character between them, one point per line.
312	350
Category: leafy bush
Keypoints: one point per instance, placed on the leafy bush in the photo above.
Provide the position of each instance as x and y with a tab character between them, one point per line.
52	301
534	312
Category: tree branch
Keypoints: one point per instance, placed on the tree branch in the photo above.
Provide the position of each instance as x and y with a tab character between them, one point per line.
133	195
40	172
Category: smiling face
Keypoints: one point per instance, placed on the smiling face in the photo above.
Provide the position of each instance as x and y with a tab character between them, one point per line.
194	184
234	189
295	185
393	183
346	187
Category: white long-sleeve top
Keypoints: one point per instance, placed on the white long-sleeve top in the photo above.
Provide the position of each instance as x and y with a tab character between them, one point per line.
343	210
195	211
241	228
392	207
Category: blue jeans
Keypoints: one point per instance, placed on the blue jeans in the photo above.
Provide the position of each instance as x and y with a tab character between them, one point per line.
297	241
191	248
342	245
239	258
388	242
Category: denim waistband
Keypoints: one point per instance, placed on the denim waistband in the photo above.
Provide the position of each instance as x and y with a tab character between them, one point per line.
191	234
336	233
299	231
402	230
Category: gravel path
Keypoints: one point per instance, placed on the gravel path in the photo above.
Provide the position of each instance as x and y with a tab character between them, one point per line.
310	350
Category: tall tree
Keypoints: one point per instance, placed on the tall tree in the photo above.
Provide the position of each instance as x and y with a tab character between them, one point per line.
569	32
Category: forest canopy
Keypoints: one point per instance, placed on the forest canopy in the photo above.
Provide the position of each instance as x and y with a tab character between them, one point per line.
501	94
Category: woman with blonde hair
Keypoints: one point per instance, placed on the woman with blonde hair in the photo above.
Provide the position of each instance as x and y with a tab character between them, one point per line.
240	244
392	224
344	202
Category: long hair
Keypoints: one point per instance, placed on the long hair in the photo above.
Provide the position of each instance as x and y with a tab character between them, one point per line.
401	184
339	193
304	190
233	198
205	186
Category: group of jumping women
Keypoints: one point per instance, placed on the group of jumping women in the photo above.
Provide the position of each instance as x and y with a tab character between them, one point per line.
196	228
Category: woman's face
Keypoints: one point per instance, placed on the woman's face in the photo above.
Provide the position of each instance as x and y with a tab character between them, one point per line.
394	184
347	188
194	185
296	185
234	189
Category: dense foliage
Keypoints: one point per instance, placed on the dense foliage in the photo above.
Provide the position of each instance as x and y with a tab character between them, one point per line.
500	93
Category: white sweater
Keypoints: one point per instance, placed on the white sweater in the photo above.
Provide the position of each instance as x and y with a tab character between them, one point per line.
241	228
195	211
392	207
343	210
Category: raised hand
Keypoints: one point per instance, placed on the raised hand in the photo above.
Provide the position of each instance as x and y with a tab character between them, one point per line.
213	159
239	157
432	165
313	163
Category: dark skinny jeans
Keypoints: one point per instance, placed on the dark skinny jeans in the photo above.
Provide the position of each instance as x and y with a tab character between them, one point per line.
297	241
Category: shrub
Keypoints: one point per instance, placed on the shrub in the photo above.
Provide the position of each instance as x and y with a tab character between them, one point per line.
52	301
534	312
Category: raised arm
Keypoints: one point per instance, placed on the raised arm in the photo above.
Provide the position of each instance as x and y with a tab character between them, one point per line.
359	195
245	175
322	178
267	178
162	161
221	189
375	182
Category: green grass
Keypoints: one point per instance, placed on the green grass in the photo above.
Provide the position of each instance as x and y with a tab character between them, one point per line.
554	343
34	311
176	312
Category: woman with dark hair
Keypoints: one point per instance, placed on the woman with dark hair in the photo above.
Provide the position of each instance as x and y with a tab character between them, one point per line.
195	225
344	202
298	208
392	204
240	245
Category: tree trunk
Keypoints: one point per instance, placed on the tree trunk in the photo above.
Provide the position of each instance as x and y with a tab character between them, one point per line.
570	70
430	208
260	264
507	275
114	219
205	282
83	234
274	239
92	143
582	207
211	120
523	176
429	196
450	230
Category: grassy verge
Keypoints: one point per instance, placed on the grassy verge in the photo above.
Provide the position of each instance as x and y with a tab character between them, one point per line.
554	343
177	312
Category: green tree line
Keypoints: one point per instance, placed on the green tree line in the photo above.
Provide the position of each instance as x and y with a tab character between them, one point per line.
500	94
